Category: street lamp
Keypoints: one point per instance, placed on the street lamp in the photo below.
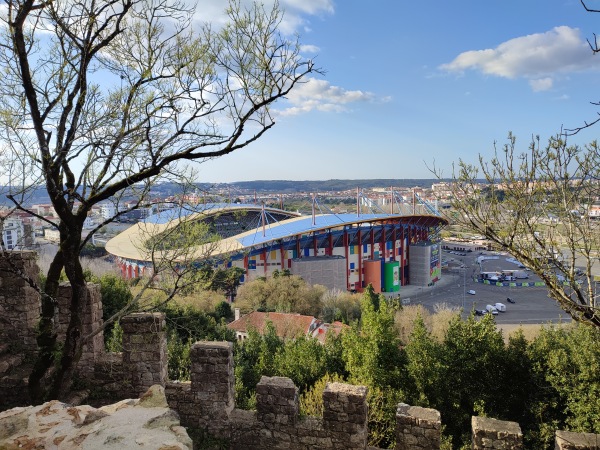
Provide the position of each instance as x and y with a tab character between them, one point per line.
464	286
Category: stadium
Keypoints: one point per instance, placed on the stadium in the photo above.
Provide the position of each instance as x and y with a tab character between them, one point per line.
339	251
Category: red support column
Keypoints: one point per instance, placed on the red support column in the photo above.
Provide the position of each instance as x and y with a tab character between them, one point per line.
394	239
298	249
360	274
372	239
383	244
315	248
282	254
245	265
346	252
330	248
263	256
402	261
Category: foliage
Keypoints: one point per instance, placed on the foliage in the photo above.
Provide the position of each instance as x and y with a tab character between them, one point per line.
340	306
303	360
373	357
223	310
425	364
114	340
178	350
190	324
102	100
254	358
115	294
311	401
566	376
372	353
280	294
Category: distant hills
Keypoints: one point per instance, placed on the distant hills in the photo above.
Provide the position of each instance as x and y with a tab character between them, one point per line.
330	185
163	190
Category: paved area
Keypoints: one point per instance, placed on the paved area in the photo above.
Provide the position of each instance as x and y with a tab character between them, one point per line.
532	304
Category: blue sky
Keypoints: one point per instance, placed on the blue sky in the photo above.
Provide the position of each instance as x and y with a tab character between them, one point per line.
409	84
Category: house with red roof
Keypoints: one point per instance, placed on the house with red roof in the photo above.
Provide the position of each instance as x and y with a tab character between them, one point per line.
287	325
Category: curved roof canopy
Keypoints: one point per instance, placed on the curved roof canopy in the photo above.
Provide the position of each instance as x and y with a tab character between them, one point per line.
243	227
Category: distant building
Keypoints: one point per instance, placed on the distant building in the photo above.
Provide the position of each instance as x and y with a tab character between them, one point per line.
16	235
360	248
108	210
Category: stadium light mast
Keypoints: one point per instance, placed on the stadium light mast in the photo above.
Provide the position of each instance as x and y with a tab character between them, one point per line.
263	219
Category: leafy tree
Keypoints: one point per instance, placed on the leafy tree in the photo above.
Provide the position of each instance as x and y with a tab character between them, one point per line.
303	360
101	99
372	352
340	306
373	356
115	294
565	363
311	401
425	365
189	324
255	357
543	218
223	311
281	294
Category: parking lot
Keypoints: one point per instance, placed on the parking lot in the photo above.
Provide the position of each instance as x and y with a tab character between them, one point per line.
532	304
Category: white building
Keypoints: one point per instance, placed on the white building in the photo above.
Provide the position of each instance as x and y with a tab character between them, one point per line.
108	210
15	235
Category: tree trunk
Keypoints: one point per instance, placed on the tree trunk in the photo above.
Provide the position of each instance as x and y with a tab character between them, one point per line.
66	360
71	351
46	338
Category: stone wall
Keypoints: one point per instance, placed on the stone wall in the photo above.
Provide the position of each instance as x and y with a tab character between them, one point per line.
92	321
144	351
208	403
566	440
495	434
417	428
19	302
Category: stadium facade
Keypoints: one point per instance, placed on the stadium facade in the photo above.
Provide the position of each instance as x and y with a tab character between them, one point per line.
340	251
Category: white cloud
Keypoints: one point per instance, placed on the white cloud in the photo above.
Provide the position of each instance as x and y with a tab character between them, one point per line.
321	96
536	57
309	49
313	7
541	84
294	18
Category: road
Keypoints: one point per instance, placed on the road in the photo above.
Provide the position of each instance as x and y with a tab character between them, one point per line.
532	303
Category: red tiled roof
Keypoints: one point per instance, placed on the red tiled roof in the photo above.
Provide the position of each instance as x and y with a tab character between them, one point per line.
286	325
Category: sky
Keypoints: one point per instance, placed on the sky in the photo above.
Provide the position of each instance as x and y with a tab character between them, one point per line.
409	85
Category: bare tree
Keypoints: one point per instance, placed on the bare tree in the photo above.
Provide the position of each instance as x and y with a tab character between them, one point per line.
536	205
102	97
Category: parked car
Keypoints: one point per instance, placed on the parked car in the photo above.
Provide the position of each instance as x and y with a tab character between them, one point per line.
510	300
480	312
471	292
491	310
501	307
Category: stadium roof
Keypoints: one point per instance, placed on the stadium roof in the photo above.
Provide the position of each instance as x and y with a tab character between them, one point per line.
130	243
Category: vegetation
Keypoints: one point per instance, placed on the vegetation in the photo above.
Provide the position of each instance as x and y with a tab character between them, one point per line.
464	368
280	294
101	100
543	215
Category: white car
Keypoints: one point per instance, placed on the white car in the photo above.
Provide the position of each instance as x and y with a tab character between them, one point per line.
492	310
500	307
471	292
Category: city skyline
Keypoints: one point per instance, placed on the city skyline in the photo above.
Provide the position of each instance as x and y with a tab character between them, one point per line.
408	87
